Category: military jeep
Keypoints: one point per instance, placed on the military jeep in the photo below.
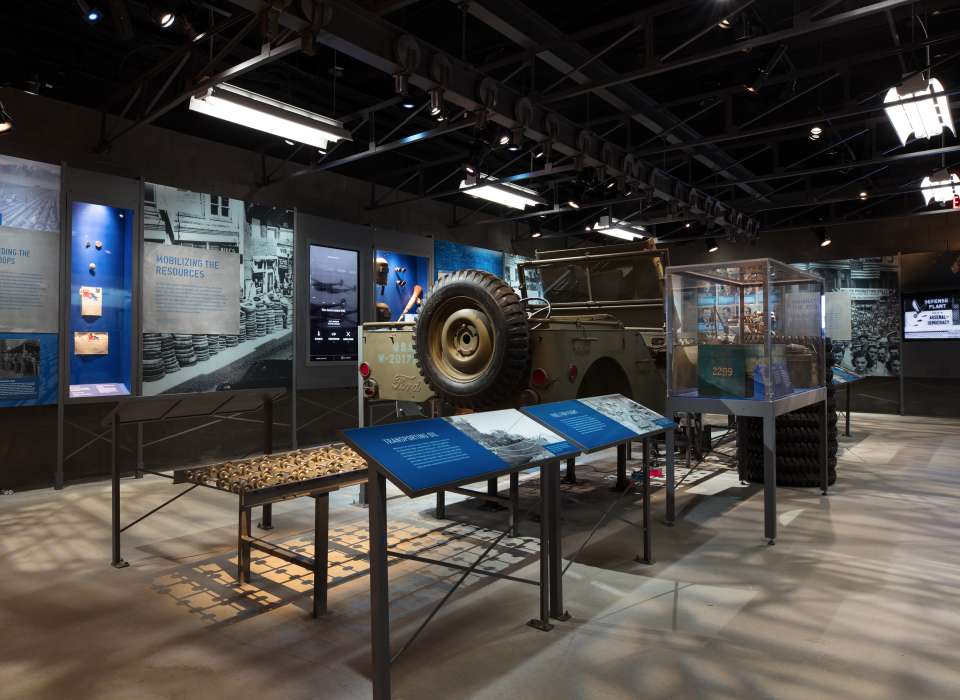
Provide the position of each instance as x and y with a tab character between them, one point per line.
584	322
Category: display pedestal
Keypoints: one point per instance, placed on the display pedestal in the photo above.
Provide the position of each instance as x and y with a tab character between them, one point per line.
768	411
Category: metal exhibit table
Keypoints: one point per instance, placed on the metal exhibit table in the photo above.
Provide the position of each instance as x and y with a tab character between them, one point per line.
253	480
842	376
768	411
599	422
425	456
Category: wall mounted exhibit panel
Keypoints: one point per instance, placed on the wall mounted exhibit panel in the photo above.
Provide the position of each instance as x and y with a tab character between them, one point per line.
101	282
450	257
29	282
218	281
401	282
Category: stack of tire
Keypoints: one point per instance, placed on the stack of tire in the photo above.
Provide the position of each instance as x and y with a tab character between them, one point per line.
798	442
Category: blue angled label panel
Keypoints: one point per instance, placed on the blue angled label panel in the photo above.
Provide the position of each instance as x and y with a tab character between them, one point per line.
428	455
424	454
842	376
580	423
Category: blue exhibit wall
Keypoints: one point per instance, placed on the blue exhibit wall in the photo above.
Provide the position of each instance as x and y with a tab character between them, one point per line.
114	274
450	257
394	296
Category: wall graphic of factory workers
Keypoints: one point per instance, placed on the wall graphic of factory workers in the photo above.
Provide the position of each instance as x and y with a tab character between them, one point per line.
261	352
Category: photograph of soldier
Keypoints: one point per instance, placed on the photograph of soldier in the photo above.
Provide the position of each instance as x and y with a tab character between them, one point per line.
19	358
511	436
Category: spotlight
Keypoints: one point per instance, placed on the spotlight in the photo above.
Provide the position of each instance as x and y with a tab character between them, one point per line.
164	17
436	104
751	89
573	203
538	153
516	139
6	121
687	225
863	194
712	246
91	14
402	86
470	169
535	231
822	237
815	133
504	138
724	23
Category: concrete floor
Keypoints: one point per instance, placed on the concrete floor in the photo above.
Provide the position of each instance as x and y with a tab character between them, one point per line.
856	600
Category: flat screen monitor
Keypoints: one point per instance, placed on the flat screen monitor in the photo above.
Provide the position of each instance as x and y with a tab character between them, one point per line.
931	315
334	304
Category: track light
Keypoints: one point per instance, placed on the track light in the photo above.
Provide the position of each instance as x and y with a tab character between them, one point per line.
863	194
401	84
91	14
712	246
724	23
538	153
255	111
535	231
516	139
823	238
436	104
815	133
6	121
504	138
573	203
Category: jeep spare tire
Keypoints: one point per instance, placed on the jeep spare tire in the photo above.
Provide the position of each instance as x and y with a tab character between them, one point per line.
472	343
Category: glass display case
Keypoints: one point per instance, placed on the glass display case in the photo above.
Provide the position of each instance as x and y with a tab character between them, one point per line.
749	329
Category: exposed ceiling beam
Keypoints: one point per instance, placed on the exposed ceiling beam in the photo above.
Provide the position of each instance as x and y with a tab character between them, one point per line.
798	29
374	41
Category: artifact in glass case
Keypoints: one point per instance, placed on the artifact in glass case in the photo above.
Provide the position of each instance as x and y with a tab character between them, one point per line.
89	343
748	329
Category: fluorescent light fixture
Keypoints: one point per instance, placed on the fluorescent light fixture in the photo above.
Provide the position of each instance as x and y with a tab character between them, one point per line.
617	228
924	118
942	187
505	193
255	111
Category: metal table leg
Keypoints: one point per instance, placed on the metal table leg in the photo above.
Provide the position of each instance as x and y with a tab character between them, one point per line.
621	467
770	478
824	449
571	475
243	544
669	477
117	561
266	517
647	536
441	511
379	586
515	504
321	544
556	546
543	622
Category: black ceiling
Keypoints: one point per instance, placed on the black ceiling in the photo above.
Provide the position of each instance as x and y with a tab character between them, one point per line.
721	124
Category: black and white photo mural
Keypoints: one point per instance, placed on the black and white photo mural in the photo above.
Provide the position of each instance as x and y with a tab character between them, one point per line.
217	293
862	313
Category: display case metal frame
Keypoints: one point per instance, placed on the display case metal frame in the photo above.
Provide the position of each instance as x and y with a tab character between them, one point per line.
768	407
768	412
